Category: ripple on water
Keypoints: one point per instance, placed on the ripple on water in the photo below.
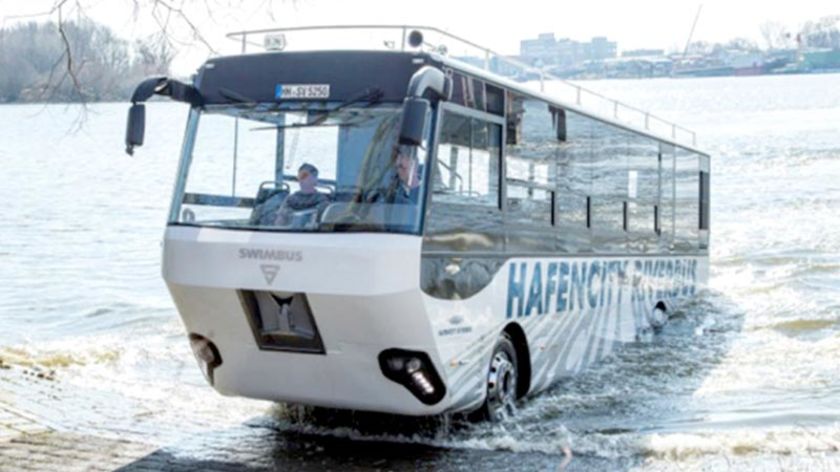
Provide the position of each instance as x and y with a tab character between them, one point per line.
728	378
805	325
25	356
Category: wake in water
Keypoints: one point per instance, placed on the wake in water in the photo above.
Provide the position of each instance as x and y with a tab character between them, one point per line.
599	413
745	377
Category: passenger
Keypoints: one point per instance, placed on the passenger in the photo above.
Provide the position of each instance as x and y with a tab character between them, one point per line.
307	198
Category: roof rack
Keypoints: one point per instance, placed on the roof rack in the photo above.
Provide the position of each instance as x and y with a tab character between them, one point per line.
274	39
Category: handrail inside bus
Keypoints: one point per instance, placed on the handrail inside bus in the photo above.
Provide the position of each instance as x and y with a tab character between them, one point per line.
453	172
620	111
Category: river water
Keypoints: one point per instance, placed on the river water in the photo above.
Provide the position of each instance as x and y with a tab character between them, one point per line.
746	376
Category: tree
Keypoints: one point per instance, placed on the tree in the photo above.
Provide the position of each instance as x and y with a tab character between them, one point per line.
154	55
106	67
777	36
741	44
824	33
700	48
70	62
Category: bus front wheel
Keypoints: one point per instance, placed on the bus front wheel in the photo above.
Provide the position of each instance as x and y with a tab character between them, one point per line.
501	381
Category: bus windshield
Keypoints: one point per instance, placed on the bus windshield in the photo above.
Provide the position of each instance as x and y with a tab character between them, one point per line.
302	168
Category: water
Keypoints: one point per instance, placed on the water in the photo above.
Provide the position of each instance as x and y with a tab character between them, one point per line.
745	376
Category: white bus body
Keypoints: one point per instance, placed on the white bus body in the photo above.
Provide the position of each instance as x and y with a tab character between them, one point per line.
451	241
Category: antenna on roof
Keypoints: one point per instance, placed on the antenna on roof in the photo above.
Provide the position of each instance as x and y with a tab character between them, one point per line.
693	25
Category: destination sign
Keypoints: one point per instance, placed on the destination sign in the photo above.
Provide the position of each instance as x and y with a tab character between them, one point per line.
301	91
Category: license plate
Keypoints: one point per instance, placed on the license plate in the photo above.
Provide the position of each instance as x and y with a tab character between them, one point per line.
301	91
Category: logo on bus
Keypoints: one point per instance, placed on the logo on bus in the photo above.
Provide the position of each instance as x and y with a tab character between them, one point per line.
269	272
537	288
270	255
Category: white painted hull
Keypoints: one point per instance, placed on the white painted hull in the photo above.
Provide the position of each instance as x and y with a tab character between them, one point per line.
365	296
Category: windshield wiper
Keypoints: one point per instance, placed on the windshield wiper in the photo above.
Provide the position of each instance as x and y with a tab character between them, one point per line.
371	95
236	97
294	125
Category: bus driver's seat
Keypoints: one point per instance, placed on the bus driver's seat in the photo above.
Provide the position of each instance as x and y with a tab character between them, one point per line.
269	198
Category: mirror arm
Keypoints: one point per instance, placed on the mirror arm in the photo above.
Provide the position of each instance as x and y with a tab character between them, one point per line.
430	79
147	88
164	86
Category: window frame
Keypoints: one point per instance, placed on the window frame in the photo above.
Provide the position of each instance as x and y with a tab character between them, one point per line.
705	210
180	195
449	107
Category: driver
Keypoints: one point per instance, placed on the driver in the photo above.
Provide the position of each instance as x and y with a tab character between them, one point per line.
307	198
407	186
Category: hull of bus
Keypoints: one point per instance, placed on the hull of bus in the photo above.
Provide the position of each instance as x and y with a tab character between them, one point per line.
365	296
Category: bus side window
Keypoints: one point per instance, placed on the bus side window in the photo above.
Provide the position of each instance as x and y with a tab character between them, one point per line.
531	178
574	185
644	167
465	211
467	165
667	196
687	201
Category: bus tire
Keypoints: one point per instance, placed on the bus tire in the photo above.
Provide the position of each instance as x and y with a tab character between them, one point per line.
502	373
658	317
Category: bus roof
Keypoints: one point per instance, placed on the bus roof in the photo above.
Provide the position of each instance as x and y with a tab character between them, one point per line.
259	78
446	46
256	78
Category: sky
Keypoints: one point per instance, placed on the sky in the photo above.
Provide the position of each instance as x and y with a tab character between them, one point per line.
500	26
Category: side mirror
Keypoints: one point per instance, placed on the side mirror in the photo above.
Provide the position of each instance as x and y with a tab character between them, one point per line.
136	127
413	127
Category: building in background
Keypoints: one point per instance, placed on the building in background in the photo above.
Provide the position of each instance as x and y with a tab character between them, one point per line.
601	49
541	51
599	58
548	51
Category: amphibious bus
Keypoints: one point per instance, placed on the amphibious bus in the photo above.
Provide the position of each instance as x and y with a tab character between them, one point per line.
475	239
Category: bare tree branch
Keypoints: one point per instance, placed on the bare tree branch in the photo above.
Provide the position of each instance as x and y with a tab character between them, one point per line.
78	61
58	4
179	12
68	53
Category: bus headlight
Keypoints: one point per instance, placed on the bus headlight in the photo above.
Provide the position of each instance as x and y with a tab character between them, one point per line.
207	355
413	370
